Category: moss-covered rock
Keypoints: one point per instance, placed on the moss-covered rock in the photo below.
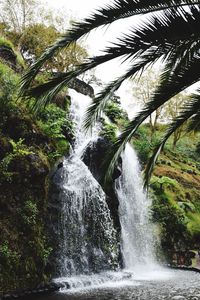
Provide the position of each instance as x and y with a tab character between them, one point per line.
27	153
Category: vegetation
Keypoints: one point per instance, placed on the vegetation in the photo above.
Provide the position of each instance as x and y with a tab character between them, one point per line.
174	189
23	158
30	145
32	140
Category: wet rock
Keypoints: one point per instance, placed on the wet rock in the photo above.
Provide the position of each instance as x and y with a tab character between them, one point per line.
94	157
189	171
81	87
8	55
78	85
5	146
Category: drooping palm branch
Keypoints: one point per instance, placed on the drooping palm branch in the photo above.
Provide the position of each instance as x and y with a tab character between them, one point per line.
120	9
146	38
162	95
172	35
194	124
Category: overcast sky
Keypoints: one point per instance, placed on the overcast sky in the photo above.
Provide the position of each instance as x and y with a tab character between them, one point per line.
79	8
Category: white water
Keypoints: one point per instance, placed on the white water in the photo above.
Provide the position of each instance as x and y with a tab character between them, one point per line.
87	232
87	239
136	230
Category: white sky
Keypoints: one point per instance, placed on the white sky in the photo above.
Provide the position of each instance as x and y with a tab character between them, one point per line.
99	38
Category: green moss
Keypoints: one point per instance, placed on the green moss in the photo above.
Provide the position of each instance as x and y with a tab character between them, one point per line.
5	42
194	223
172	221
63	147
28	144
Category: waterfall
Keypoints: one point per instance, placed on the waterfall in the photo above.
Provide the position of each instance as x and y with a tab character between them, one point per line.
136	230
88	241
87	236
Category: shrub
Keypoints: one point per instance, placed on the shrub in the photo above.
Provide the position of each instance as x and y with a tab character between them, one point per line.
8	84
29	213
109	131
114	112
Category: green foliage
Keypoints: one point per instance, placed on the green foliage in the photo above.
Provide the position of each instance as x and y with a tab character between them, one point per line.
9	82
29	213
5	42
57	125
143	144
9	257
194	223
164	182
53	120
19	148
109	131
63	148
114	112
198	149
172	220
186	206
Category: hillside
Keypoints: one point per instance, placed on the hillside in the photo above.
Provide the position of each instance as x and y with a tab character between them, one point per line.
175	190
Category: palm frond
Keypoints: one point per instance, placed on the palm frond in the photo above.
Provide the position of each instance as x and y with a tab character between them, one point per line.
103	16
149	108
131	46
188	111
95	110
194	124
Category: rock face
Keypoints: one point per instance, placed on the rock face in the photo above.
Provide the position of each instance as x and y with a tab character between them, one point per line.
8	55
24	170
94	157
53	215
81	87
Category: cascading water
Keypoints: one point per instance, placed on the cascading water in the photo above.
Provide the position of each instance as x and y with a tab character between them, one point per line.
87	248
136	230
87	238
87	235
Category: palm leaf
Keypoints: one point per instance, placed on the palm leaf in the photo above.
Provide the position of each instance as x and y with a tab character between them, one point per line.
95	110
132	46
194	124
103	16
162	95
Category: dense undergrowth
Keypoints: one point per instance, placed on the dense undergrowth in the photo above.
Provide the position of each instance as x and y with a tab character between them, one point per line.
29	146
174	189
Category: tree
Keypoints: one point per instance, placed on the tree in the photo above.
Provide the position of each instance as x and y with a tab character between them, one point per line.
17	15
32	37
35	40
172	110
170	33
143	88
